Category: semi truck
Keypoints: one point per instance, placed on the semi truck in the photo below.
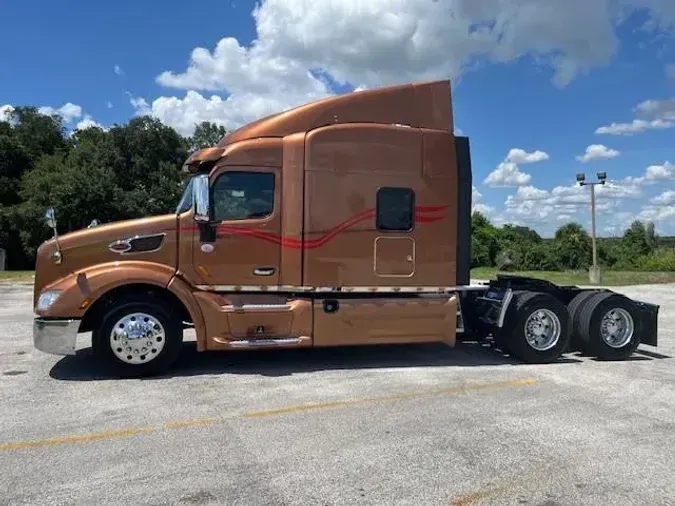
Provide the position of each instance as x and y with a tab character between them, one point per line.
345	221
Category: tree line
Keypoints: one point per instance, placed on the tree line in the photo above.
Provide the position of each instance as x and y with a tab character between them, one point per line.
127	171
133	170
514	247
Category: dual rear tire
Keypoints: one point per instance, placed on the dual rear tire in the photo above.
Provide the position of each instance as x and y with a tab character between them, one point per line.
538	328
605	324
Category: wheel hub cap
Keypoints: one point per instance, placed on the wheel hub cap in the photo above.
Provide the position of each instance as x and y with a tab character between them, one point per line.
137	338
542	329
617	328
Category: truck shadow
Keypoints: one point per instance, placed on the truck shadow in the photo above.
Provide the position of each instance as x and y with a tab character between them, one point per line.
285	362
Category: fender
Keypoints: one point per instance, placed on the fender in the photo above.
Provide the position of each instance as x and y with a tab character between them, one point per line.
181	289
83	288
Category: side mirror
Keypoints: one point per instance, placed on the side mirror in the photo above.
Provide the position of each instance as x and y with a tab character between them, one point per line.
50	218
202	205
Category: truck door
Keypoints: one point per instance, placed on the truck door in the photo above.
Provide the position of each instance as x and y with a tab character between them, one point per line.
246	212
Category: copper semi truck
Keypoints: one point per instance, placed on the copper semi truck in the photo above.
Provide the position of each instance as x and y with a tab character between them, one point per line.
345	221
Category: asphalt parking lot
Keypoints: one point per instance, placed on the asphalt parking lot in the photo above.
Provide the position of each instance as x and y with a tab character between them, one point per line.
388	425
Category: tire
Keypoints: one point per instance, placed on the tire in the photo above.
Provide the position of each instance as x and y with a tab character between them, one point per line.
574	308
591	323
525	305
139	357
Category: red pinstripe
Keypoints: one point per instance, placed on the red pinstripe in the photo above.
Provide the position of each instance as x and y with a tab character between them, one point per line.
421	216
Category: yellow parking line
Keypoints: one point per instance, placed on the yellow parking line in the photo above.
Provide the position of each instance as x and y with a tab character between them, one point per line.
476	497
111	434
393	398
182	424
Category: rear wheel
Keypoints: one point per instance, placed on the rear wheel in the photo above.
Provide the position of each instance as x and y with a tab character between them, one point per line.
574	308
609	326
536	327
138	337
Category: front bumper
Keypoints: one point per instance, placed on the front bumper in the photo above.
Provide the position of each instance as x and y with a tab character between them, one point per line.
55	336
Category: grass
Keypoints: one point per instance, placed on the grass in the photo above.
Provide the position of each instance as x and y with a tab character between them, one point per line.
609	278
16	276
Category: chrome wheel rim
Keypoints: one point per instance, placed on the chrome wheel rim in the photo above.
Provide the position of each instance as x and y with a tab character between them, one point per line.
617	328
137	338
542	329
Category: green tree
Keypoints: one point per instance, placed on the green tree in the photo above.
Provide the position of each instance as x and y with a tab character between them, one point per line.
638	239
206	134
484	243
540	257
129	171
572	247
37	133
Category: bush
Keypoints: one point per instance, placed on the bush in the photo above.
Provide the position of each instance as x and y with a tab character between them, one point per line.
657	262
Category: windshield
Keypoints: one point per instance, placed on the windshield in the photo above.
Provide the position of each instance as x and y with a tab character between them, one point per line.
186	200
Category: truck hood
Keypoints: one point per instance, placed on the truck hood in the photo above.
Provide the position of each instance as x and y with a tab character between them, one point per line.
152	239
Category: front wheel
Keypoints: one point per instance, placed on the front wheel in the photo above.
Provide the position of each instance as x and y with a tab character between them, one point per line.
138	337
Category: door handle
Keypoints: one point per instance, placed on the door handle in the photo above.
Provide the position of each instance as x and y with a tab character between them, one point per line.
264	271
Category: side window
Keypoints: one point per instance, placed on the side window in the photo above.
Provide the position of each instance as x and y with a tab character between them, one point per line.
395	209
243	196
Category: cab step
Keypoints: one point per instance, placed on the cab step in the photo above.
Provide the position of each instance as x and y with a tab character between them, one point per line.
270	342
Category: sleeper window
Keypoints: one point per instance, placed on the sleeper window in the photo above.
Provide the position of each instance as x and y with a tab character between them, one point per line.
395	209
243	196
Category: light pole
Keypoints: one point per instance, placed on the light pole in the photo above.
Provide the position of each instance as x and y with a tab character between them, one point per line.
594	272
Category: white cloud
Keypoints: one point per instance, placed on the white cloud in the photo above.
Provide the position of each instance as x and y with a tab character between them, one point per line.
140	105
6	112
88	122
665	172
657	109
530	193
68	112
667	198
478	206
384	42
183	114
654	174
596	152
118	70
475	194
565	203
634	127
662	215
651	115
109	104
520	156
508	172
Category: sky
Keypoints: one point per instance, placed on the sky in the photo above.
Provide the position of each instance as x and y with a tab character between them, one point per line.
544	89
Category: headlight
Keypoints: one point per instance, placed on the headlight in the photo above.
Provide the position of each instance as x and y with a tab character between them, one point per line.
47	299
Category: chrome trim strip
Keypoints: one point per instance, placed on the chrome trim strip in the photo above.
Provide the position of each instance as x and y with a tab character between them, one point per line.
422	290
245	343
57	337
257	307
